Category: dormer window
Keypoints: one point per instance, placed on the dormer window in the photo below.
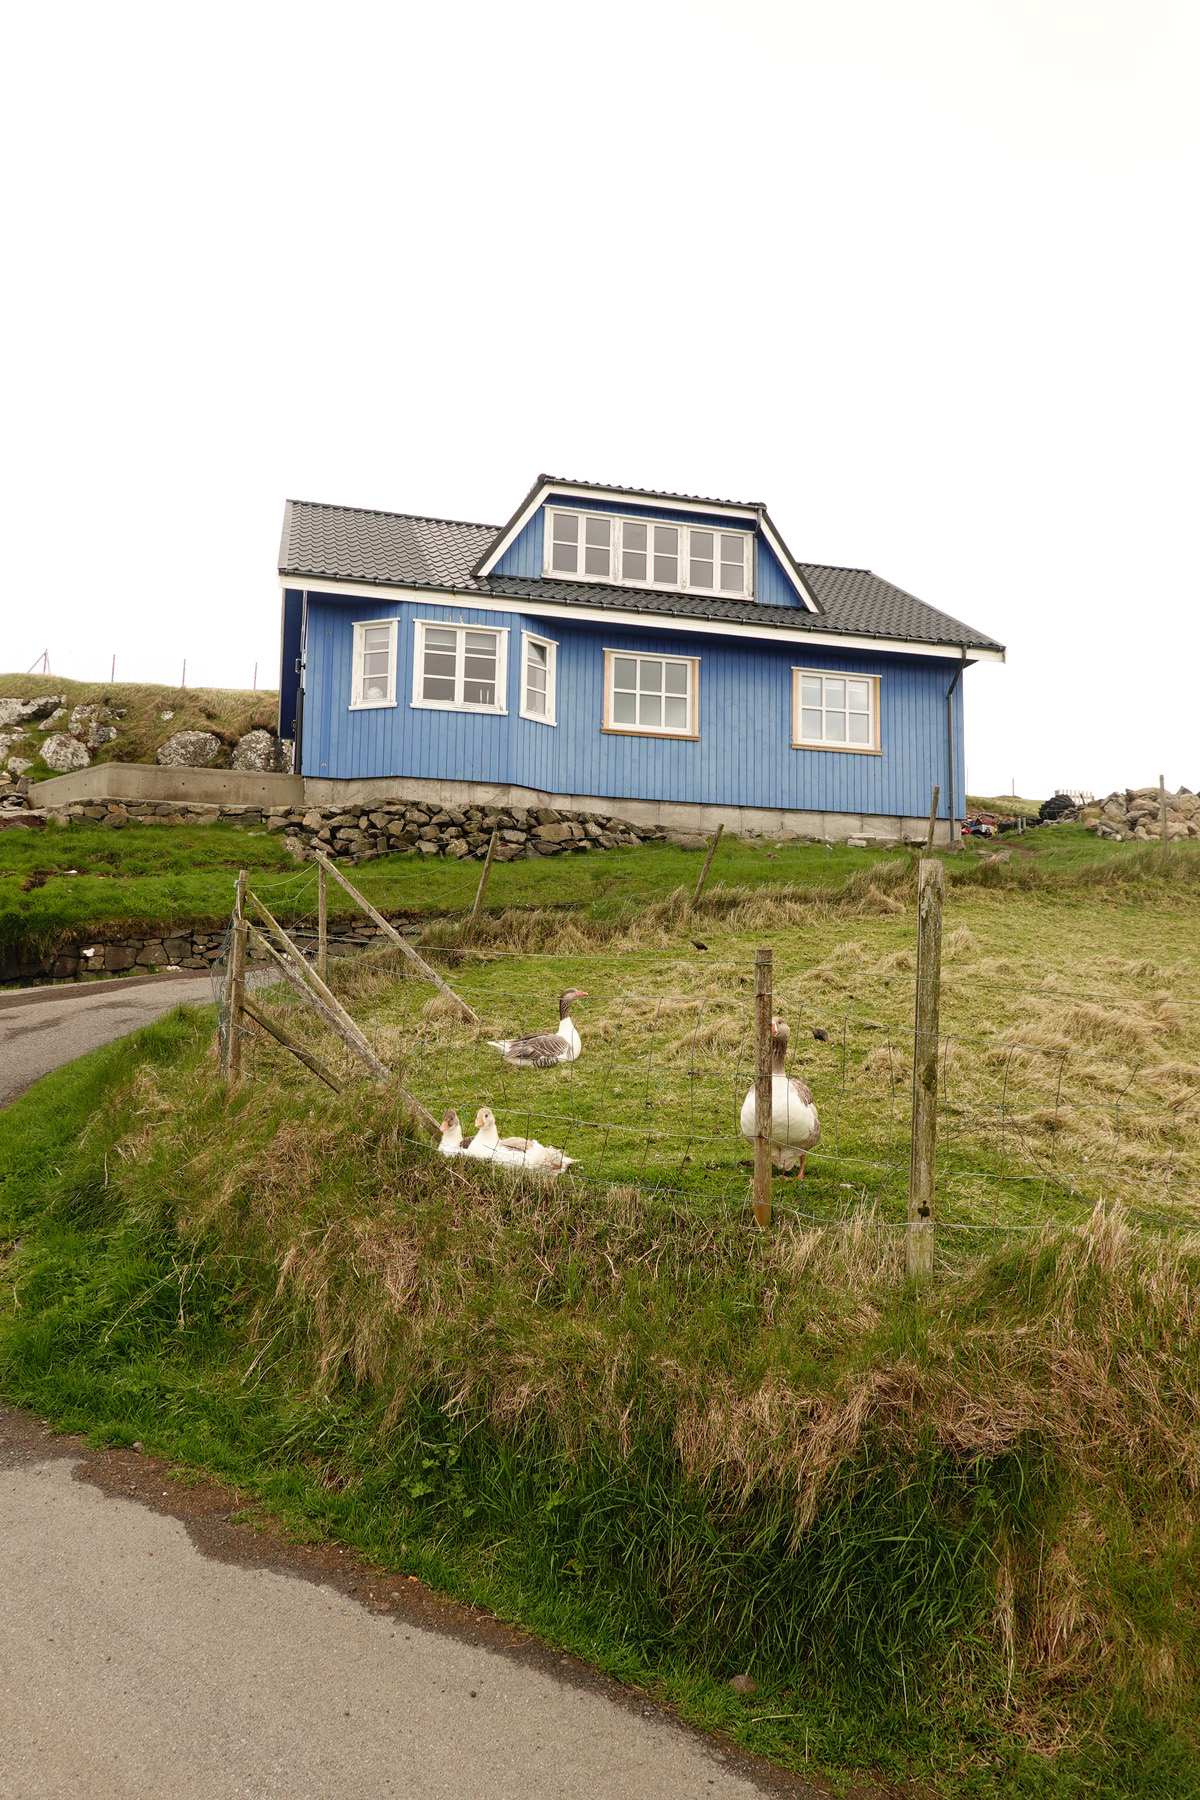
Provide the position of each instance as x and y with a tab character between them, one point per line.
693	559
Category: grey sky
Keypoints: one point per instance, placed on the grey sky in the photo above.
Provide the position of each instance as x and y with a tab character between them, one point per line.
922	276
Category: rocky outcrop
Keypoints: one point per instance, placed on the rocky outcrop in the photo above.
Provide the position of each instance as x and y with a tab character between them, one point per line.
63	753
1134	815
260	750
189	750
14	712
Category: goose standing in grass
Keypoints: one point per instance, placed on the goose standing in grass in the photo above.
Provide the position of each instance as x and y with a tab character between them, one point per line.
795	1127
545	1049
514	1152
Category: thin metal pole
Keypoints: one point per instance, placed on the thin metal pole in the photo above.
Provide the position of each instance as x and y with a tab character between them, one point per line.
925	1068
762	1086
237	981
322	920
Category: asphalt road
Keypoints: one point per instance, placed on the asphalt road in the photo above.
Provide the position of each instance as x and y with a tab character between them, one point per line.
134	1665
42	1028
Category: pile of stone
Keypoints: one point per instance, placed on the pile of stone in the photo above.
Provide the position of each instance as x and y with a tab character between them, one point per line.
259	750
420	828
1133	815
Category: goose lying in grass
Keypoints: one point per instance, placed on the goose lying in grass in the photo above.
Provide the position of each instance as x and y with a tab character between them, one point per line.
452	1137
795	1127
545	1049
513	1152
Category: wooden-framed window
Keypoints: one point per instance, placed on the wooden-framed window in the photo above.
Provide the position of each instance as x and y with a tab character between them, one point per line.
539	678
652	696
835	711
460	668
693	559
373	681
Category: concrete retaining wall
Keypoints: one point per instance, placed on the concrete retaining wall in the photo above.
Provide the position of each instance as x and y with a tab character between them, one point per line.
146	781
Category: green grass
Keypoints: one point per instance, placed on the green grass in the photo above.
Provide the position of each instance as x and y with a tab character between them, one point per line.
673	1447
227	712
148	878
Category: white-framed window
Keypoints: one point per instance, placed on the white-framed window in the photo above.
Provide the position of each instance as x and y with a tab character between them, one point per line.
693	559
539	678
656	696
373	682
835	712
460	668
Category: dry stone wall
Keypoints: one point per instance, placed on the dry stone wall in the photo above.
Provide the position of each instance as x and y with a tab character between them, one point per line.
1133	815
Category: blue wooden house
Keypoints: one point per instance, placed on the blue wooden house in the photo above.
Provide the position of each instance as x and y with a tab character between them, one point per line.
654	655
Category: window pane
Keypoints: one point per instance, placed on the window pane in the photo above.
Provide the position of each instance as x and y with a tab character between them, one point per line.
597	531
733	567
810	725
634	541
860	728
633	534
479	669
596	535
624	672
677	678
835	692
810	691
700	559
651	711
624	710
565	558
535	700
536	672
651	676
633	565
666	553
538	653
440	663
859	695
595	561
566	528
376	637
676	713
835	727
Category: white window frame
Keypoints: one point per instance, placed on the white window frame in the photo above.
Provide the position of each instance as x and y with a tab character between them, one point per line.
499	632
550	716
691	735
617	576
361	627
874	748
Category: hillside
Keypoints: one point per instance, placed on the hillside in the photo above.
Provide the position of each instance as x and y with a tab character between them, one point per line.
120	721
953	1535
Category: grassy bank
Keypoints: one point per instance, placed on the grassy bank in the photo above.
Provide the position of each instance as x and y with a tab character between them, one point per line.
136	711
953	1536
65	883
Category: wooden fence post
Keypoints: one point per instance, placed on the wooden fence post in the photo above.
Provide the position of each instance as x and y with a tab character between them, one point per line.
322	921
712	851
933	821
925	1068
1162	807
390	931
237	982
762	1086
487	865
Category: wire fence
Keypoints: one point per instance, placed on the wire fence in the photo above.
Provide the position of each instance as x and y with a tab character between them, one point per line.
1034	1128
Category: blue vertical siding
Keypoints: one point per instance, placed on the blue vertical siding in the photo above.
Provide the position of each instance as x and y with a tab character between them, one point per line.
743	758
773	587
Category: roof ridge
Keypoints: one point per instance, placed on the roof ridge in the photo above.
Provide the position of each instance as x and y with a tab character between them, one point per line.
613	487
382	512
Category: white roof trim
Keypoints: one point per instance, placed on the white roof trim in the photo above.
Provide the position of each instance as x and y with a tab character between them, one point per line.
601	615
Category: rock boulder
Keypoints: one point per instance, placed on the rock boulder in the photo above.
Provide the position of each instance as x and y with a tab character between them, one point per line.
63	753
259	750
189	750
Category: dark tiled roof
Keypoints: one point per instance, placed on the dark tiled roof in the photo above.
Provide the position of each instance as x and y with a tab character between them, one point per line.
607	487
343	543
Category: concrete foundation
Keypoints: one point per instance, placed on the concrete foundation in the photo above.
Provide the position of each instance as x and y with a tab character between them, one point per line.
146	781
670	815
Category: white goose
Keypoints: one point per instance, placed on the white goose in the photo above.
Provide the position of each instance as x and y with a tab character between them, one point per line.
452	1137
545	1049
795	1127
514	1152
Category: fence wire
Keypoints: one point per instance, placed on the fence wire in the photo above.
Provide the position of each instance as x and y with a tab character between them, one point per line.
1030	1133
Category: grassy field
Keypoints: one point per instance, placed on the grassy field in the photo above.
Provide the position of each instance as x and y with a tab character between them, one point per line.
65	883
952	1534
141	727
